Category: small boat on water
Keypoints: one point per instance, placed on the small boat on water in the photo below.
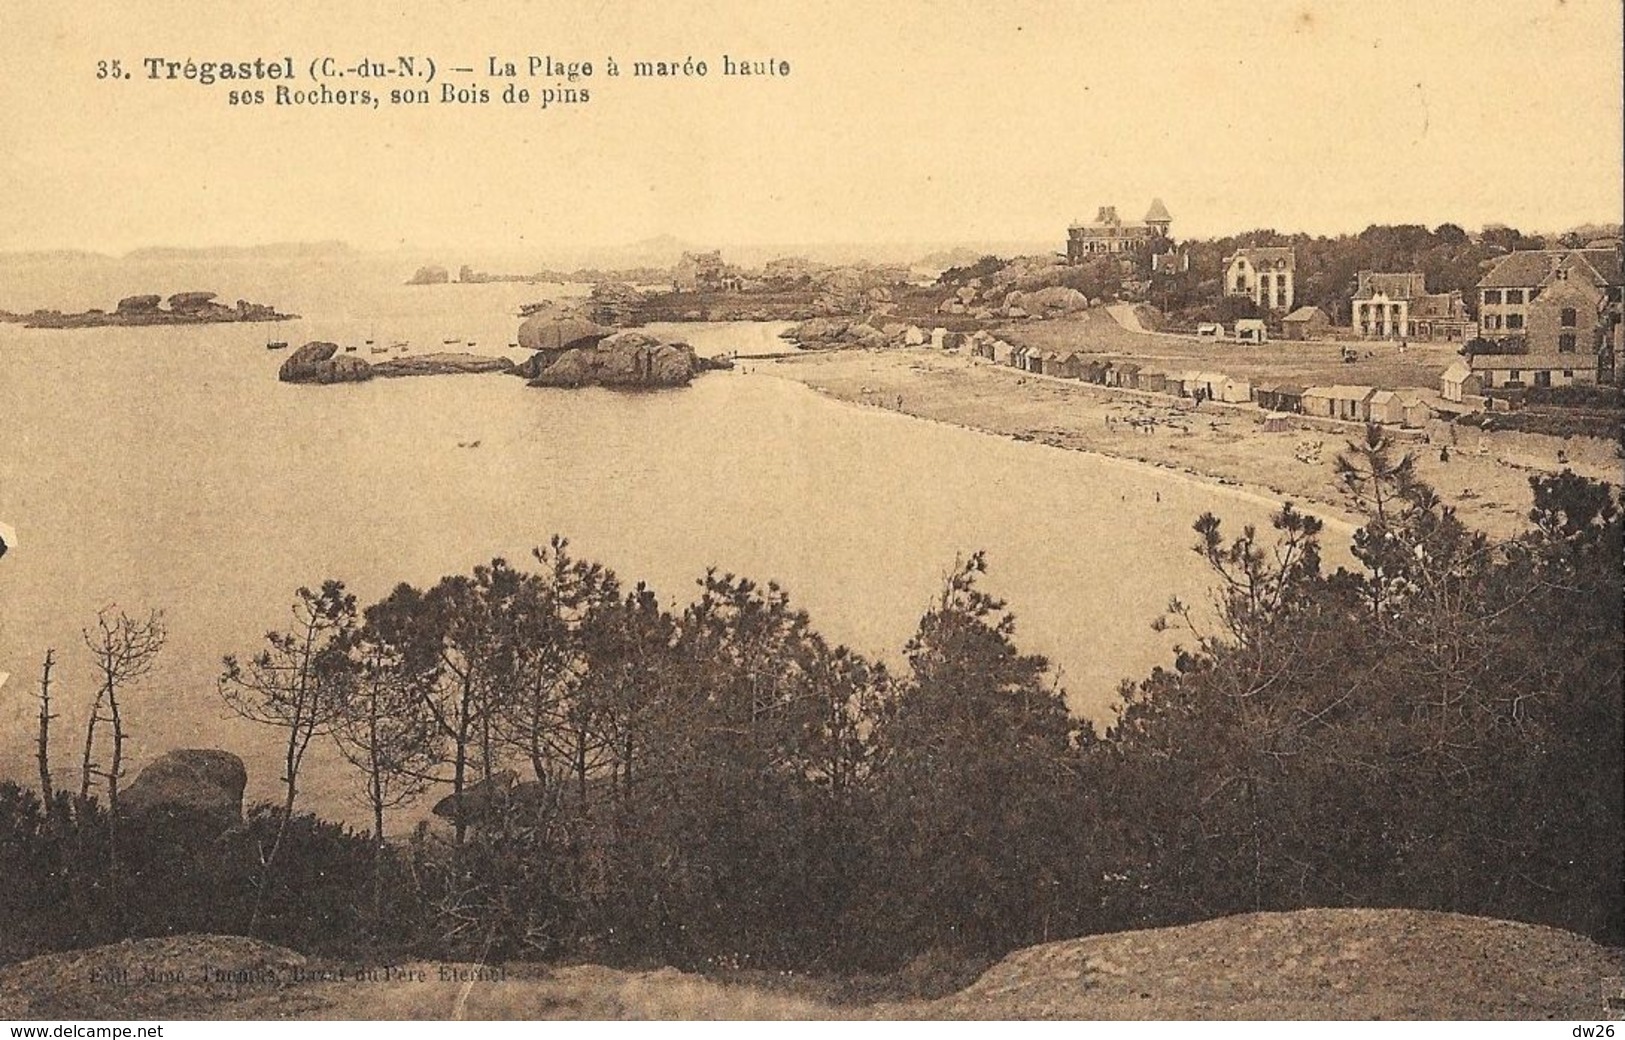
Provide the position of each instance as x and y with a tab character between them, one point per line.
472	343
277	344
351	348
449	342
399	344
380	350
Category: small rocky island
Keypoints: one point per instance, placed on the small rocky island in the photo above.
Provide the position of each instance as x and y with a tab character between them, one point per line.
322	363
627	360
567	350
430	274
186	308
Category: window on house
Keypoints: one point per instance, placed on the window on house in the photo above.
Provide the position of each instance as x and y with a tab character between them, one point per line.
1568	373
1492	296
1514	296
1515	375
1492	321
1569	318
1514	321
1565	343
1241	284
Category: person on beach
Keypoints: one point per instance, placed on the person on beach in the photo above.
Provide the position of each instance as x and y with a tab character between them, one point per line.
1444	453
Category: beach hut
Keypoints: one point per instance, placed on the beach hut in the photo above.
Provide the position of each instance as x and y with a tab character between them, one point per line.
1251	330
1458	382
1002	353
1317	401
1235	391
1387	408
1279	397
1414	408
1069	367
939	338
1210	330
1305	323
1126	374
1152	379
1211	384
1095	371
1352	402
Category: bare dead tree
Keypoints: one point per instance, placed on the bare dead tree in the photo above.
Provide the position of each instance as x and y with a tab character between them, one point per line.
43	750
124	650
297	683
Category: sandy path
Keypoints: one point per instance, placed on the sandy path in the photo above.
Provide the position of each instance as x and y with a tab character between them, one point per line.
1123	314
1308	964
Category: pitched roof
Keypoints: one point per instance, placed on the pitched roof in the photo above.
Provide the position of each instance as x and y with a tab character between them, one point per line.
1248	323
1352	393
1533	362
1438	305
1403	286
1305	314
1457	370
1261	256
1157	212
1526	268
1606	263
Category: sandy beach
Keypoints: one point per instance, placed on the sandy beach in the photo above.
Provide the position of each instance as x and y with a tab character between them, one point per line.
1486	477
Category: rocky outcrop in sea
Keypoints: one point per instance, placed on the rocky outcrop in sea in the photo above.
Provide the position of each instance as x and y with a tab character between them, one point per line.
633	360
185	308
322	363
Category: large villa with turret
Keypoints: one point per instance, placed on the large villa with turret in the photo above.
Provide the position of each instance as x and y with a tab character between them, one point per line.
1109	235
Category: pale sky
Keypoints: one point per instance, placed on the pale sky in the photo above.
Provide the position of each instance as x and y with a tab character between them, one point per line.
900	121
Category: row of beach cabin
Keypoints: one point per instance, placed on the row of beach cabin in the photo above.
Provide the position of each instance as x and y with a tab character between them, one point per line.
1354	403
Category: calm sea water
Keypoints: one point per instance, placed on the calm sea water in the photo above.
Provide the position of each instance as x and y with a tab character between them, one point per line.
168	468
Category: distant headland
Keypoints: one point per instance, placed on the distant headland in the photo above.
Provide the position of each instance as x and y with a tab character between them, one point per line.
185	308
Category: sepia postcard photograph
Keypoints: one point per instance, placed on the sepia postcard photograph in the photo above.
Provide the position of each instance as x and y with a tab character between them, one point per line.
927	510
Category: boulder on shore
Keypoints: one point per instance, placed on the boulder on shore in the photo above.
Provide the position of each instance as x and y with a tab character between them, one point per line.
202	781
315	363
817	331
626	359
